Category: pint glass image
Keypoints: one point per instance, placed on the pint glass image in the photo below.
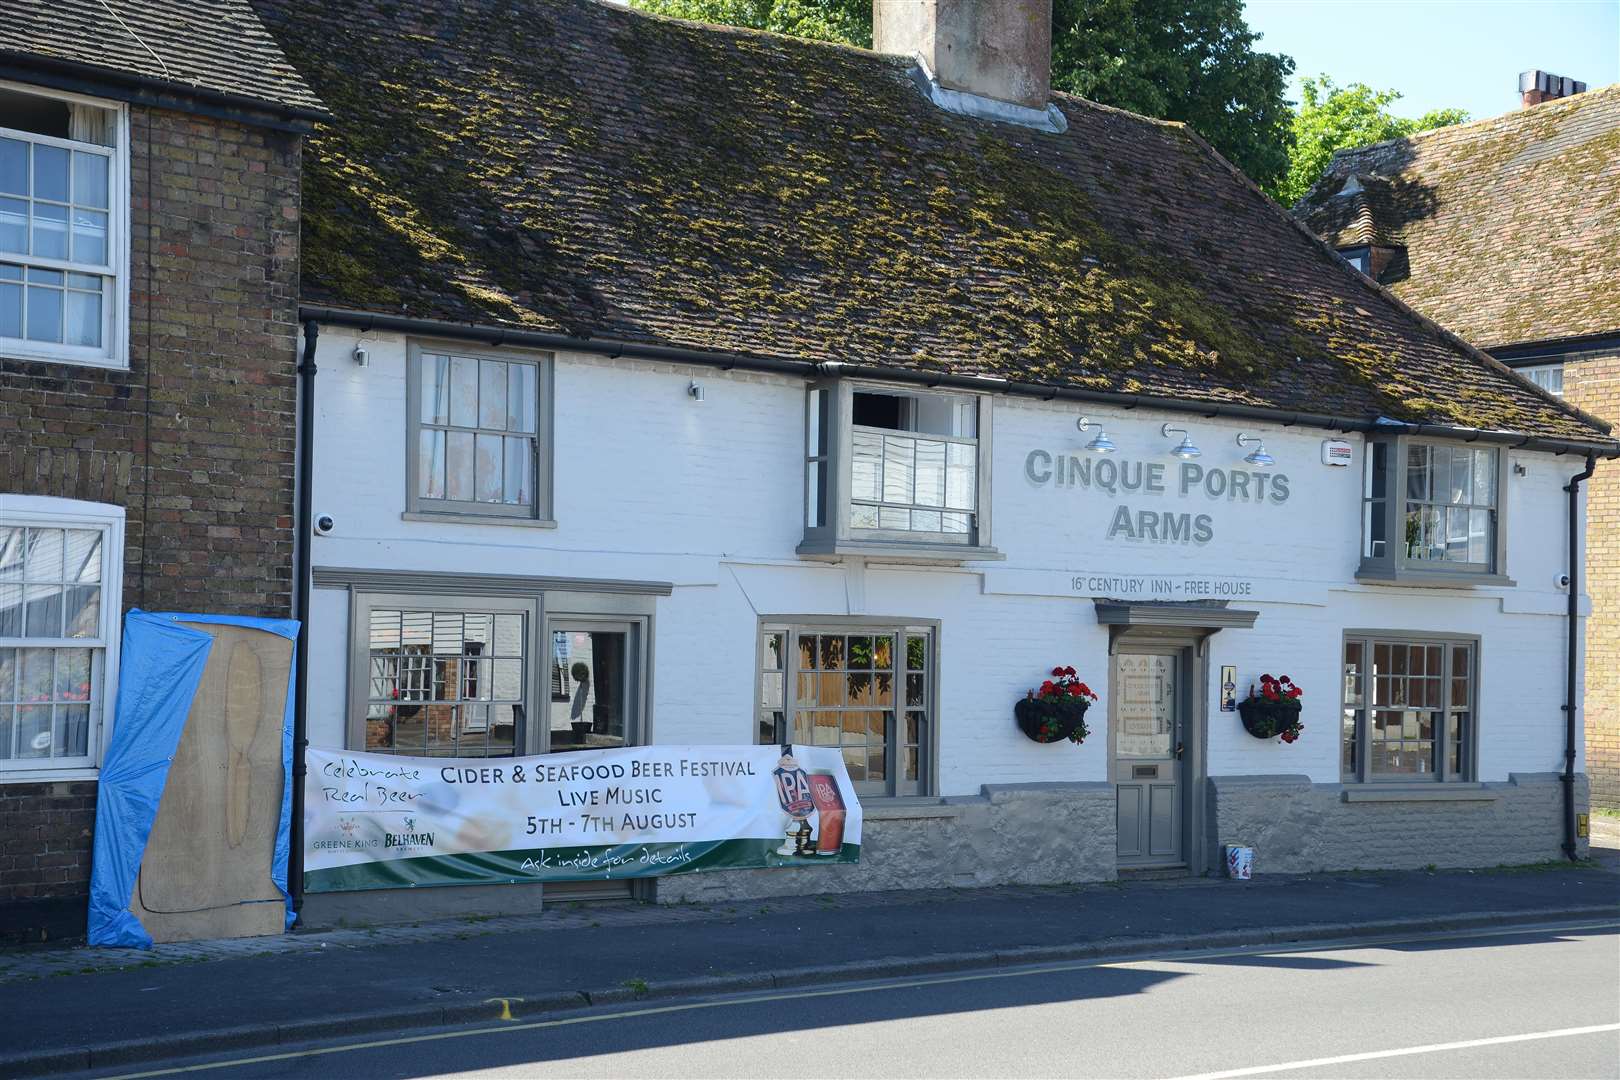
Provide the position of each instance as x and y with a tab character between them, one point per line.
830	806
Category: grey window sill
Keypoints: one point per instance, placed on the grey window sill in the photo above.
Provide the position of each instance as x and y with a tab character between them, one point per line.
479	519
1429	579
1379	792
904	808
897	551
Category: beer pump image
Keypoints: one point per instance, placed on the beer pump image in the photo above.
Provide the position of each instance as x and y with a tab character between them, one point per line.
793	793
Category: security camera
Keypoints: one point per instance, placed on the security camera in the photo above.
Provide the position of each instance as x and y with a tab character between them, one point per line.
1563	581
324	524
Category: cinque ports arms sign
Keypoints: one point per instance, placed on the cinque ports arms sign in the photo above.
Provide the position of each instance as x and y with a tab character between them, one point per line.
1188	480
376	821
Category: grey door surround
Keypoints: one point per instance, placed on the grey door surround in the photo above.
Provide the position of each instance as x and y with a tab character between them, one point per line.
1183	627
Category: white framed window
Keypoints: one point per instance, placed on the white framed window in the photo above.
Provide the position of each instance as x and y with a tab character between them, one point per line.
479	435
866	687
1550	377
64	233
60	586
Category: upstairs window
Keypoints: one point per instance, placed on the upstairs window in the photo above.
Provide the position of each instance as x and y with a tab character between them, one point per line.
1359	257
63	204
1430	511
893	469
1550	377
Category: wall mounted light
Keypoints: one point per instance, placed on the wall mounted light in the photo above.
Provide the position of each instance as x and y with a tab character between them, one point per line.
1100	443
1185	450
361	355
1258	456
695	391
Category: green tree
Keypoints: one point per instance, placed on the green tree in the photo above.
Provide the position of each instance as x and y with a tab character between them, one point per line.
1340	118
848	21
1188	60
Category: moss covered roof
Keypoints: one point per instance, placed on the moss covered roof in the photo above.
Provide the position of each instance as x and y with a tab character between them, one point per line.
1511	225
574	167
216	45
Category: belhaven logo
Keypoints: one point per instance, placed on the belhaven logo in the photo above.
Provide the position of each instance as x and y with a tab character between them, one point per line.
407	840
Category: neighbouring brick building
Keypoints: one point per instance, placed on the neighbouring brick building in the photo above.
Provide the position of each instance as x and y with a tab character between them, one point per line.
1506	231
149	231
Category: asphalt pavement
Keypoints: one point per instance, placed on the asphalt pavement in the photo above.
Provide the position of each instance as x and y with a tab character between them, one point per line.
1544	1003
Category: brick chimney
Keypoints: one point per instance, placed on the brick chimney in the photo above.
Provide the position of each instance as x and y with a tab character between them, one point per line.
1538	86
996	49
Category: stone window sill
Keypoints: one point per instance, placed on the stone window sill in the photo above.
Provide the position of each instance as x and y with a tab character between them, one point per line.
1435	792
897	551
1376	574
479	519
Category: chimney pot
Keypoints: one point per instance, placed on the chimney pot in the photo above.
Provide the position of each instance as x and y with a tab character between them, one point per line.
1538	86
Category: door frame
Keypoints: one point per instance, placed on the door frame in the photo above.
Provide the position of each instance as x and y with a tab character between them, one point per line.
637	670
1192	649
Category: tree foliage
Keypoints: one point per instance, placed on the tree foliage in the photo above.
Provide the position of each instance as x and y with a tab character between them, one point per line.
1342	117
1188	60
848	21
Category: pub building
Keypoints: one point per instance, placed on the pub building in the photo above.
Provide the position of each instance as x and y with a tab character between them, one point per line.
678	384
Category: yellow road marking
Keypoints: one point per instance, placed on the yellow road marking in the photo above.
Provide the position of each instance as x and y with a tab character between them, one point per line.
866	988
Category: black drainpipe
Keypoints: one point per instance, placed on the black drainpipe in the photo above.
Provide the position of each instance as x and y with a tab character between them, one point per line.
1570	690
306	533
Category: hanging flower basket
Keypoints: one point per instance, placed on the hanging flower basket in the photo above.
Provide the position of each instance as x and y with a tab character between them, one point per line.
1273	712
1056	711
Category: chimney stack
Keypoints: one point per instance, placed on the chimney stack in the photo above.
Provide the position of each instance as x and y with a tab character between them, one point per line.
996	49
1538	86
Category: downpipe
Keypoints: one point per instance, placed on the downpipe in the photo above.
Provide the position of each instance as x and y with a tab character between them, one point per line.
305	526
1573	620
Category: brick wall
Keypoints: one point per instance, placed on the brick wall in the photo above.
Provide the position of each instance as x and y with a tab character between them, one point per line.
195	440
1592	381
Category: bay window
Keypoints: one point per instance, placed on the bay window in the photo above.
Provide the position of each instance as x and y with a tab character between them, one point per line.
1431	512
1409	707
896	471
865	688
63	207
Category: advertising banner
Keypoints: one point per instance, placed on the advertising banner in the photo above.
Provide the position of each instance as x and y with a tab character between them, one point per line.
381	821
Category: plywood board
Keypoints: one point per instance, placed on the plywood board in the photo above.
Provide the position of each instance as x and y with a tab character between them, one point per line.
206	871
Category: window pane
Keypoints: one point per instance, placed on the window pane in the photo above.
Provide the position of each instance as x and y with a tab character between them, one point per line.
89	236
773	652
14	225
1481	536
33	731
14	166
894	518
521	403
82	611
1485	477
1461	486
8	730
464	393
961	483
50	237
8	675
899	456
44	314
1417	473
930	462
490	453
72	674
11	310
1353	673
83	319
430	464
925	521
11	611
435	375
1347	742
34	676
515	483
90	179
458	470
1456	534
71	737
492	395
863	517
866	471
44	558
50	173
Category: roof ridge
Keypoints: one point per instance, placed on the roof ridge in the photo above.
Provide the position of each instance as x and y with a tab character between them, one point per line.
1585	97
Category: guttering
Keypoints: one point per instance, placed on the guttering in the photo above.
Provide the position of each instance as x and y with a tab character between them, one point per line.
305	526
493	336
1573	627
94	79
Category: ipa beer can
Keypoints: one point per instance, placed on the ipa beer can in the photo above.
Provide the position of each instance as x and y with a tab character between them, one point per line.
830	807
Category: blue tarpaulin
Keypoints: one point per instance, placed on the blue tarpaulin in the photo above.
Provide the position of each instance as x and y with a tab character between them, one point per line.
161	667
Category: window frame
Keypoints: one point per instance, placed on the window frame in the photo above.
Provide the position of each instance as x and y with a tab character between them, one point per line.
1395	566
927	783
542	459
835	536
1468	757
39	511
1530	371
1359	257
361	603
114	352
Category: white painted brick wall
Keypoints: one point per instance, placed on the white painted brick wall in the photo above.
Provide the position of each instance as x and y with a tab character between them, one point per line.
653	486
